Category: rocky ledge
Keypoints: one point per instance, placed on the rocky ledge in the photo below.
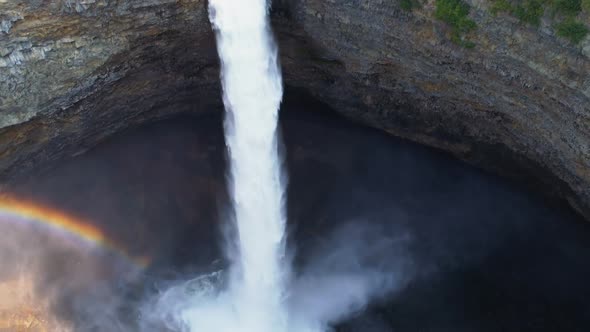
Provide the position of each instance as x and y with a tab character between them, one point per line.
515	99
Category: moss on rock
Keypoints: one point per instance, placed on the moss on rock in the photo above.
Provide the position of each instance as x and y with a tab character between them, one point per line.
572	30
455	14
564	13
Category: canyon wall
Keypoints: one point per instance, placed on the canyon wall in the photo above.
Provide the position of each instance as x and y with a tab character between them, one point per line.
507	96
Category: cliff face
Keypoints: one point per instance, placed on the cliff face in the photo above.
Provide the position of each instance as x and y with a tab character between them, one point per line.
75	72
517	102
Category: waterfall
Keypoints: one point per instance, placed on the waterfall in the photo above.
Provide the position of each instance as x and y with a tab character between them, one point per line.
252	93
252	295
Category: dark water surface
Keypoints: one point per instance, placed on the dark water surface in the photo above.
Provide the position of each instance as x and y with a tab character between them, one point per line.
479	253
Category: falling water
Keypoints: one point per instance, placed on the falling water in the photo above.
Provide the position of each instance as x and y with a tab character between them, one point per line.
254	298
252	93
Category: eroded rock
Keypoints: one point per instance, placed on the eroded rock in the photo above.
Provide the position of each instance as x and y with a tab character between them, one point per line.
74	72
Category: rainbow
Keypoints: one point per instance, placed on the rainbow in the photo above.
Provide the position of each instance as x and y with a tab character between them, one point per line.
18	209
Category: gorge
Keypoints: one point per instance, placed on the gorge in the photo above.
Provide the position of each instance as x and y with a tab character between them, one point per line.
74	72
111	110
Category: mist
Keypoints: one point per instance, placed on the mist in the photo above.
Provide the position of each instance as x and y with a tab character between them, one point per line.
357	264
427	235
54	281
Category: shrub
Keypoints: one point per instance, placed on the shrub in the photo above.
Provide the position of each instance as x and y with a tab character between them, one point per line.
406	4
567	7
529	12
572	30
454	13
501	6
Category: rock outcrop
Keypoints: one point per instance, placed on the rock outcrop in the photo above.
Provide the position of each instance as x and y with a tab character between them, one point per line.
73	72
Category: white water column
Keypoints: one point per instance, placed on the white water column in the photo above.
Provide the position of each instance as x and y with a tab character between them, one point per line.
252	92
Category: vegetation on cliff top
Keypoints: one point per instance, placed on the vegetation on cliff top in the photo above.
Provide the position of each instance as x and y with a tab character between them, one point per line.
572	30
527	11
455	14
406	4
563	11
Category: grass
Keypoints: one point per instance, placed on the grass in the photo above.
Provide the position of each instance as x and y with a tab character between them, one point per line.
501	6
572	30
455	14
406	4
567	7
527	11
531	12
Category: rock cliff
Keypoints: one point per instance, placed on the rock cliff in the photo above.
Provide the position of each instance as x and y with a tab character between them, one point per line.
516	100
